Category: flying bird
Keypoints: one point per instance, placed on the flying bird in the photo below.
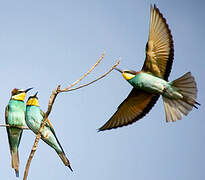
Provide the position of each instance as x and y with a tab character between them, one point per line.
15	116
179	96
34	118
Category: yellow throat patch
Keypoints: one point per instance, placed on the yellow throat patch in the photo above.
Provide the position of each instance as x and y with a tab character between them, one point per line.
32	102
128	76
19	97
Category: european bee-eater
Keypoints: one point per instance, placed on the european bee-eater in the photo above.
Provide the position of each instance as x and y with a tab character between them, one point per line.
179	96
15	116
34	118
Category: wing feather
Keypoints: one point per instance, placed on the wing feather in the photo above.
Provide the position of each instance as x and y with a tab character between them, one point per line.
7	128
159	48
134	107
49	125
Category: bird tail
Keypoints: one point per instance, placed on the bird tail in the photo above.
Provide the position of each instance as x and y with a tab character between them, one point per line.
175	108
65	160
15	162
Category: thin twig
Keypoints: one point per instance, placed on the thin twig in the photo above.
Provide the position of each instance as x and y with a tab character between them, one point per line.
20	127
84	75
102	76
50	105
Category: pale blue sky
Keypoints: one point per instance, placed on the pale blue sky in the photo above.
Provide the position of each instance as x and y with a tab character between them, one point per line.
44	43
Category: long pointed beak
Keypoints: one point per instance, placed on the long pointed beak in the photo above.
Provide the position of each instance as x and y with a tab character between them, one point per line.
118	70
35	95
28	90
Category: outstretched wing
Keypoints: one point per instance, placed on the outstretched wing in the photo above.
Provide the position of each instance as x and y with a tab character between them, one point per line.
159	48
134	107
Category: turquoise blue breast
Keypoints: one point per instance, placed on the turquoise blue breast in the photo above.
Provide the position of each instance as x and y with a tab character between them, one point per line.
33	118
148	83
16	113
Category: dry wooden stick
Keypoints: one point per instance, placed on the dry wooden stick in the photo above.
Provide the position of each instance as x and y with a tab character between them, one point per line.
20	127
102	76
51	102
84	75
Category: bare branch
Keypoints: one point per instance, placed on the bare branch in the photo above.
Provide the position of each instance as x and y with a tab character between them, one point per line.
20	127
102	76
84	75
51	102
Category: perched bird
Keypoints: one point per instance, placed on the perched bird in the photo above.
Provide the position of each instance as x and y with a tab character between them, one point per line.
15	116
179	96
34	118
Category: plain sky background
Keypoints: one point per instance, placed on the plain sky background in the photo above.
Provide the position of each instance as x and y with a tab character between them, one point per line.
44	43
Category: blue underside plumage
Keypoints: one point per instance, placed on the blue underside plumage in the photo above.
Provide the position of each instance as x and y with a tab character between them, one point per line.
15	117
153	84
16	113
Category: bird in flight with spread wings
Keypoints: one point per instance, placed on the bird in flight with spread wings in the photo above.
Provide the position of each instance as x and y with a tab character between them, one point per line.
179	96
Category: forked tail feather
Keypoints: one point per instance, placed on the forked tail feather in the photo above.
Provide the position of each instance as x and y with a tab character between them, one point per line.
175	108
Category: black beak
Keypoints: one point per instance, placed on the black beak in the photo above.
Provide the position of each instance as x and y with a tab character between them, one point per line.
28	90
35	95
118	70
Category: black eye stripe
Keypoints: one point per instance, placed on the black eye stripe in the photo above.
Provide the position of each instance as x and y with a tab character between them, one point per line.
18	92
130	72
32	97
